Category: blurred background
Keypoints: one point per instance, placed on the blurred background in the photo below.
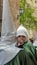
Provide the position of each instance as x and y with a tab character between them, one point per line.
23	12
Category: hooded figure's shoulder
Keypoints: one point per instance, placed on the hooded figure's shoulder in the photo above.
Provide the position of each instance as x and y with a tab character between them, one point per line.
28	47
28	43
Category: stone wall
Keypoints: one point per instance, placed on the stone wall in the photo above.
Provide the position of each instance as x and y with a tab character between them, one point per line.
33	3
14	6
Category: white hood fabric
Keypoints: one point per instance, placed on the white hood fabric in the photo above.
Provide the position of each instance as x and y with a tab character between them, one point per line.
9	38
7	19
22	31
7	53
35	41
8	26
7	47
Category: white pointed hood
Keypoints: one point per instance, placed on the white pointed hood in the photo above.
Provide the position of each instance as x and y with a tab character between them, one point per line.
22	31
8	26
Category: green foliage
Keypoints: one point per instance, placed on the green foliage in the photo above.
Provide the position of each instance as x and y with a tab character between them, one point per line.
26	17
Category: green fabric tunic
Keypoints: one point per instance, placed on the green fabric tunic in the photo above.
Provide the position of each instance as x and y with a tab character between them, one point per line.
27	56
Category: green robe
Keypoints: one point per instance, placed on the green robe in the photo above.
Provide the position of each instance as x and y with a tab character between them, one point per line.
36	51
26	56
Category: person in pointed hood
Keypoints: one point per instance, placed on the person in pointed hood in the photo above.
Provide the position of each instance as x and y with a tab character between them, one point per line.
26	56
22	35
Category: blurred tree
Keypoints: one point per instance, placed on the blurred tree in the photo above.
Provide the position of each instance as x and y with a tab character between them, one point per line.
26	17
